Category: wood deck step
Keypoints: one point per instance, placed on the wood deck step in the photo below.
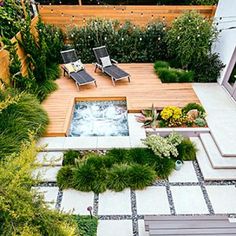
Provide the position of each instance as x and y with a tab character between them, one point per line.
189	225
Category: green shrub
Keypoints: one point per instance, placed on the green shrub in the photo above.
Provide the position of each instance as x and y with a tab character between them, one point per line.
172	75
65	177
42	57
18	120
166	75
193	106
118	177
208	68
24	212
140	176
142	156
187	150
164	147
164	167
90	175
125	42
117	154
87	225
10	17
185	76
161	64
190	38
70	157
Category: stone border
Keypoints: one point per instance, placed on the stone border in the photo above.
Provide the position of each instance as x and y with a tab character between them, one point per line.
188	131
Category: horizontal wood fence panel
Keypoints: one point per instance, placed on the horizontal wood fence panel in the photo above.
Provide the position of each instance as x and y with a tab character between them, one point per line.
63	15
4	56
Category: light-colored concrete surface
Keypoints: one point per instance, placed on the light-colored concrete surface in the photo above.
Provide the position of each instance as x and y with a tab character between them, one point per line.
47	174
221	115
206	168
52	144
189	200
80	143
136	131
76	202
185	174
50	158
114	203
49	194
114	228
113	142
152	200
217	160
223	198
141	228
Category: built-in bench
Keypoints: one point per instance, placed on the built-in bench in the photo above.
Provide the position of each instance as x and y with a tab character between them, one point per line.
189	225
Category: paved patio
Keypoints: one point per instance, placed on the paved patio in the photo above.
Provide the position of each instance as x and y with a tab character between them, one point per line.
122	213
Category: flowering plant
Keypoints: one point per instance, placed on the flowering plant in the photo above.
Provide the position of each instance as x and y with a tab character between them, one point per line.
164	147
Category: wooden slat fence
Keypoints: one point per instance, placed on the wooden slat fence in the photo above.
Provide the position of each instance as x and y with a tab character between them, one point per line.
64	15
4	56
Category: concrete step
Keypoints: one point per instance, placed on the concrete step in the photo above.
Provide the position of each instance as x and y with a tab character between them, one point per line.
208	172
215	157
50	158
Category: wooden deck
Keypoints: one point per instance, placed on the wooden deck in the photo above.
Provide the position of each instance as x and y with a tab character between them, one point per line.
144	90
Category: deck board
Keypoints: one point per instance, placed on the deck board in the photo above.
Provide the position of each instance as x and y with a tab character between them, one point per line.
144	90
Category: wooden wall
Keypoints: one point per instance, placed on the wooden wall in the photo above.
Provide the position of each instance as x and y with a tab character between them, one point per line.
64	15
4	56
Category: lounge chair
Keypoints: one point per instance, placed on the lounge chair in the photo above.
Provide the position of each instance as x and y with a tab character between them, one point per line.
81	77
107	65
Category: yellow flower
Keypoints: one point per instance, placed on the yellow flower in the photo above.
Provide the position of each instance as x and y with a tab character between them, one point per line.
171	112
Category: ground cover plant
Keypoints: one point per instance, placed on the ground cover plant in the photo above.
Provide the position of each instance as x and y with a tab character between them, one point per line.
20	115
87	225
191	115
23	211
134	168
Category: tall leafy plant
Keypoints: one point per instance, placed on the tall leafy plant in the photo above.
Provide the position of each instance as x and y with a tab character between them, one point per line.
190	38
11	18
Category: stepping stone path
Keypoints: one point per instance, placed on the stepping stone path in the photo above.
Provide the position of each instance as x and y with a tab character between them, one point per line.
122	213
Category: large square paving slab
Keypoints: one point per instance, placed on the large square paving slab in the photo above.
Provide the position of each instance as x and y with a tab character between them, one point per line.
79	143
52	144
141	228
152	201
49	194
185	174
113	142
47	174
114	228
189	200
223	198
115	203
49	158
76	202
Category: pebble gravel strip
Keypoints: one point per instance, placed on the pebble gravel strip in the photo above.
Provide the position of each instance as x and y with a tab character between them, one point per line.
134	213
203	188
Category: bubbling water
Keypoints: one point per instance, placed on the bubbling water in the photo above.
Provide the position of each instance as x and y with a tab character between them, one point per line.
100	118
